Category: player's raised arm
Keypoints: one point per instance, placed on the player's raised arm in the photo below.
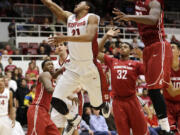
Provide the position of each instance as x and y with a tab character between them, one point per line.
57	10
45	78
151	19
111	33
91	31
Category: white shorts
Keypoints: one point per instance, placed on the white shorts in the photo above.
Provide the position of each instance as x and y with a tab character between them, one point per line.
59	119
5	125
87	76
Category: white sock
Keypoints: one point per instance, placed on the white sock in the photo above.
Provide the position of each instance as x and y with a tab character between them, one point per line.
164	124
69	116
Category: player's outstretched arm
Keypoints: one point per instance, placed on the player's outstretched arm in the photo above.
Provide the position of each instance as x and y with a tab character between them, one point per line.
91	32
151	19
173	91
111	33
46	78
57	10
58	72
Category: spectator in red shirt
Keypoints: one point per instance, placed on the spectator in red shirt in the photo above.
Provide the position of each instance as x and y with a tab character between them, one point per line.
33	73
9	50
10	67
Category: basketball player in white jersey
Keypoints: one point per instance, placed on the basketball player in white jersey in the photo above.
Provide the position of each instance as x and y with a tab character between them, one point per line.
83	68
59	119
6	109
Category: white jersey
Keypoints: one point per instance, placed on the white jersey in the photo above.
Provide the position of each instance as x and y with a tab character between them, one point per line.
57	65
81	51
4	102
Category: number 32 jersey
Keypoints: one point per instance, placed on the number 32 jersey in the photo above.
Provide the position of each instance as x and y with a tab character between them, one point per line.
81	51
123	75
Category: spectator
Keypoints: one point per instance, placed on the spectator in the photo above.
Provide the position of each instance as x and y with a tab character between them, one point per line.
1	73
29	81
30	96
46	46
12	85
21	108
85	129
10	67
98	124
33	73
1	65
41	50
16	76
46	28
16	52
9	49
86	113
11	28
145	97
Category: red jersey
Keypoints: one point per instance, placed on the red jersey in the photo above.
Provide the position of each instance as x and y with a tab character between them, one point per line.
175	78
10	68
123	75
42	97
150	33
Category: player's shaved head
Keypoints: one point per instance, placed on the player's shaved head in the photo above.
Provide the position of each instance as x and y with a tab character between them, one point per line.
91	7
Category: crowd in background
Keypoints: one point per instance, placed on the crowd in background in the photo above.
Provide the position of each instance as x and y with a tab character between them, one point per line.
22	83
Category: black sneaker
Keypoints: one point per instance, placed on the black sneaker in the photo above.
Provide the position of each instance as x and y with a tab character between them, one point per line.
71	125
163	132
106	110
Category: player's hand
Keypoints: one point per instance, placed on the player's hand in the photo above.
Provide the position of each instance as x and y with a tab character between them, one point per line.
120	15
75	101
57	39
91	132
113	32
13	123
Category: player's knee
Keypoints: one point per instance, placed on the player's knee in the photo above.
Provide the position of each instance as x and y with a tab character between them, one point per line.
59	105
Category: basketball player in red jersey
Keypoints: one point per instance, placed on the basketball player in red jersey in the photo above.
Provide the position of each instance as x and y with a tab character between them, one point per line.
157	54
126	107
172	94
39	122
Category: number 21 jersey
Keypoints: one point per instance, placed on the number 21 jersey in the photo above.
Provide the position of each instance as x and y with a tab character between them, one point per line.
81	51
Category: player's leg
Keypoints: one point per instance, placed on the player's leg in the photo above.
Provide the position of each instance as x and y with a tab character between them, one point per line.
64	88
37	120
59	120
158	55
94	83
136	114
121	118
5	125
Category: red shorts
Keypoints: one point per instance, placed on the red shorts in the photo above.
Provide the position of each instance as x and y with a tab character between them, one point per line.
129	114
173	112
39	122
157	59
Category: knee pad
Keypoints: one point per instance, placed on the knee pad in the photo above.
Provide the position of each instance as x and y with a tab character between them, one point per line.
59	105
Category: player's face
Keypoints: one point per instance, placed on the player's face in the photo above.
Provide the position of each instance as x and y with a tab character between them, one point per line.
60	48
175	50
49	66
124	49
79	7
